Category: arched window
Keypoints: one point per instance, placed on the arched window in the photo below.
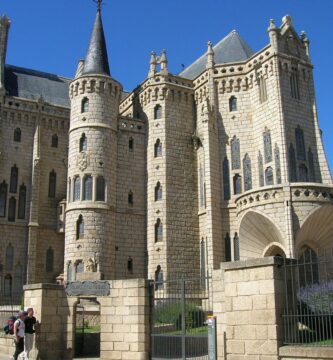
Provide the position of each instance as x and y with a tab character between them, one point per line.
308	267
17	135
226	179
13	179
202	187
158	112
52	184
247	172
277	164
130	265
69	190
294	87
267	146
158	231
22	201
312	173
237	180
233	103
9	260
12	209
159	278
131	144
303	173
87	187
269	177
158	192
49	259
83	143
85	105
100	189
77	188
80	228
236	247
261	170
158	148
3	198
300	144
8	282
54	141
130	198
292	164
235	153
227	247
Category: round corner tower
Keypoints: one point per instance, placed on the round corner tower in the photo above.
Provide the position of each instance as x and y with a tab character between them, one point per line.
92	166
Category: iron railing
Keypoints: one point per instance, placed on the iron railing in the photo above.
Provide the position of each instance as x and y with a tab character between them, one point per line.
180	308
308	311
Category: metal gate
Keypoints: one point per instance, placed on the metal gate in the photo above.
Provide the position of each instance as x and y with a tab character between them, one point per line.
180	308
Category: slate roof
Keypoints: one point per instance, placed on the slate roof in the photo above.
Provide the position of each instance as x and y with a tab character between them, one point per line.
31	84
232	48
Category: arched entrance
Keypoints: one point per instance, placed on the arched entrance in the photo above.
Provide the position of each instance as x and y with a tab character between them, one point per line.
87	329
257	234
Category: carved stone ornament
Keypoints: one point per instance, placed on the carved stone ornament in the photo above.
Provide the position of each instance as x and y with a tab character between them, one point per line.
82	161
88	288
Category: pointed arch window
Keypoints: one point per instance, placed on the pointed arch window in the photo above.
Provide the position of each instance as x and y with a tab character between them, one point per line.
233	103
8	283
158	231
277	164
17	135
12	209
267	145
100	189
158	112
235	153
158	148
159	282
247	172
303	173
130	265
226	179
52	184
80	228
13	179
292	164
308	267
300	144
312	173
261	170
3	198
83	143
49	259
131	144
237	180
130	198
202	187
227	247
22	201
294	84
77	188
55	140
269	177
87	187
9	260
236	247
85	105
158	192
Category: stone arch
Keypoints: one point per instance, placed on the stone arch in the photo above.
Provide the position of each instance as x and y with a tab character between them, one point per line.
316	230
257	233
274	249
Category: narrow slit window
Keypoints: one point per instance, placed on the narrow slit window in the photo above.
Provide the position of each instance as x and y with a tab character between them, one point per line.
85	105
55	139
17	135
80	228
22	201
52	184
100	189
158	231
158	112
13	179
3	198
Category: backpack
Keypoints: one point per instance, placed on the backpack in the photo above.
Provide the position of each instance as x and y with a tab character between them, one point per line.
9	328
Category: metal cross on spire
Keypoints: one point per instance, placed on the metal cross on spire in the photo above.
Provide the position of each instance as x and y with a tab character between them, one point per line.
99	4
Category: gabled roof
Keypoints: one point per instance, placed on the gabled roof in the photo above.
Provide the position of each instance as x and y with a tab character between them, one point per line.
96	61
230	49
31	84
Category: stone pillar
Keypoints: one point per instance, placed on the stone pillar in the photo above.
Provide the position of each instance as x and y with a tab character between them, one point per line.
248	299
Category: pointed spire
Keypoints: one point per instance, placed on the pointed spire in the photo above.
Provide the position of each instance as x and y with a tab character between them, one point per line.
152	63
164	63
210	56
97	57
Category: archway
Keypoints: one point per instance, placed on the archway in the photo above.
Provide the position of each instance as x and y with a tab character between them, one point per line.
87	328
257	234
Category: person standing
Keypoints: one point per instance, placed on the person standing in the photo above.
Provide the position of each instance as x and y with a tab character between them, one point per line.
19	332
30	324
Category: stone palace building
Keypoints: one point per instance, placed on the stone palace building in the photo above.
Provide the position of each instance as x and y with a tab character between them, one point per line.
221	162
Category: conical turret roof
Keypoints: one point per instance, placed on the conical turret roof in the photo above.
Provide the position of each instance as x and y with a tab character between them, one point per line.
96	61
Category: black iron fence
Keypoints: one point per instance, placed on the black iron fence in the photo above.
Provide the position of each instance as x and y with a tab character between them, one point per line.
180	308
308	314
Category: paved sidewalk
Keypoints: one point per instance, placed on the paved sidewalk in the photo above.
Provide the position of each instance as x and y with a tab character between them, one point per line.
5	357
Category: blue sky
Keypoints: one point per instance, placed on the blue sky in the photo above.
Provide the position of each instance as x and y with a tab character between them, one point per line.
52	35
